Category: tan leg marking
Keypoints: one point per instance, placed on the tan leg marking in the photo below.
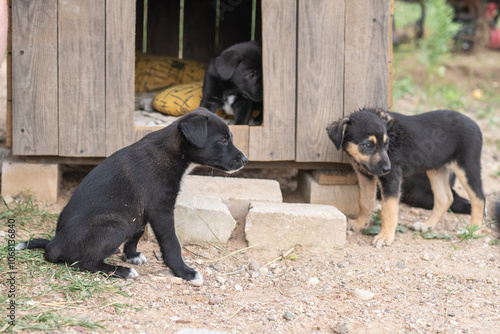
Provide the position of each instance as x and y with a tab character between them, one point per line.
477	205
443	197
389	215
367	196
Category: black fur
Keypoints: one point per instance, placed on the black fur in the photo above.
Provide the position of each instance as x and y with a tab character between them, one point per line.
135	186
416	191
237	71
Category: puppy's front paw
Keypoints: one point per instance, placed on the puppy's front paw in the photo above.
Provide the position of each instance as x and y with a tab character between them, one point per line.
138	259
384	239
420	227
357	224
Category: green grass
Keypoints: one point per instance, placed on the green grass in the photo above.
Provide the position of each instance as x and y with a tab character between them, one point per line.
47	294
377	225
469	233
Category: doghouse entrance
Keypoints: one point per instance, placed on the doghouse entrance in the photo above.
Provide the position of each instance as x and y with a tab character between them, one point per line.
175	40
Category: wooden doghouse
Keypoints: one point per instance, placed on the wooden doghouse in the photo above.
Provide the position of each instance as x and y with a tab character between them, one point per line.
71	81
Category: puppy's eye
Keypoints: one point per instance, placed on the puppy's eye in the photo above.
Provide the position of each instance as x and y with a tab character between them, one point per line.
251	75
225	140
368	145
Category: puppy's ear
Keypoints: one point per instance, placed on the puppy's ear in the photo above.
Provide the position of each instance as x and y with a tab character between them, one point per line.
336	131
385	116
226	63
194	129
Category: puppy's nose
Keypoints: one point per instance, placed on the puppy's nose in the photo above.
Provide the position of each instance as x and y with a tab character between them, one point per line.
243	158
386	169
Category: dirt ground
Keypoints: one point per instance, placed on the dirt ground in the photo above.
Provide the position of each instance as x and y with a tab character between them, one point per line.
414	286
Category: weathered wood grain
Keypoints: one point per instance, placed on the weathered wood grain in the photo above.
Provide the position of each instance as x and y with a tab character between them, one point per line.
275	139
320	77
119	74
82	118
367	54
34	77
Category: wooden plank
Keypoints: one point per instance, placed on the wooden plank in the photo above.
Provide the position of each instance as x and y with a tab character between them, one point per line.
82	119
320	73
367	54
119	74
390	102
235	23
275	139
343	175
199	30
163	27
34	77
240	137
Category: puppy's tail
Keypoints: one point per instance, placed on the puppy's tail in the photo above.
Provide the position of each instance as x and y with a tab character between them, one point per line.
33	243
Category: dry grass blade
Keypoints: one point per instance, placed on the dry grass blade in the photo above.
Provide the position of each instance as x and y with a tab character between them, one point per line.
282	256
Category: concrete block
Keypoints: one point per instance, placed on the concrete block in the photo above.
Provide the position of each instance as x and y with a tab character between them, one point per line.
200	218
236	193
343	197
41	180
285	225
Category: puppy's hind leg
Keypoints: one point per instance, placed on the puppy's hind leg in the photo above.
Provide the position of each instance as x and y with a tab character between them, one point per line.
130	253
443	197
367	196
469	174
106	269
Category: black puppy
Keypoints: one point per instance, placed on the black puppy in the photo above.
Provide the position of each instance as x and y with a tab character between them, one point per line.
135	186
234	78
386	146
416	191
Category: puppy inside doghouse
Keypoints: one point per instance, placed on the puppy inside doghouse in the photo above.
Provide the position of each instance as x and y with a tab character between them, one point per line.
384	147
233	83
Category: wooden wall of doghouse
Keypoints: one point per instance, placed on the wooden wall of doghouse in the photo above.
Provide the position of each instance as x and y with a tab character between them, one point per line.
71	89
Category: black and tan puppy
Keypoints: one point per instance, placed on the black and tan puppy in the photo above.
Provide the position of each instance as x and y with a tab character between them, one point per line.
135	186
385	147
233	81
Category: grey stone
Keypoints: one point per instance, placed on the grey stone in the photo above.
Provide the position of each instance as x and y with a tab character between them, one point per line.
200	218
236	193
343	197
285	225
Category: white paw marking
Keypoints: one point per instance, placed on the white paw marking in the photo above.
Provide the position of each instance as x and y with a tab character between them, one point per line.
198	275
132	273
139	259
21	246
420	227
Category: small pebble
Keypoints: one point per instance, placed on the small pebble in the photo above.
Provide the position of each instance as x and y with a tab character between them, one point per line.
254	265
272	318
313	281
341	328
425	257
197	282
451	314
176	280
264	270
400	265
288	316
215	300
238	287
362	294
